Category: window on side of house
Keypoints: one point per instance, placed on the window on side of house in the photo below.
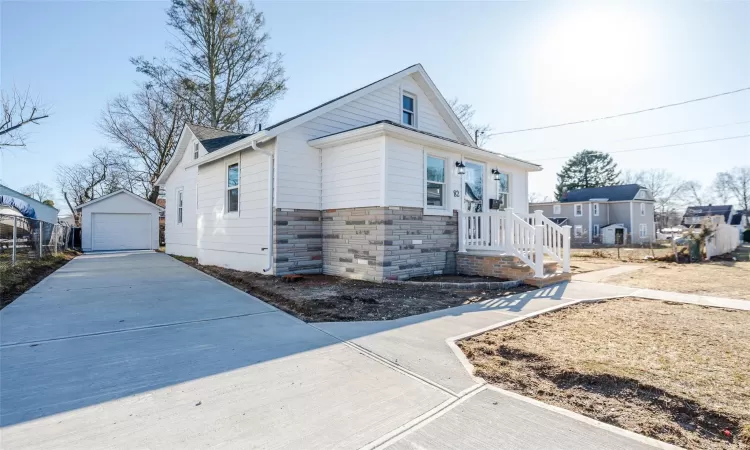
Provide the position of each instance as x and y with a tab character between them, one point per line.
643	230
503	190
435	182
179	206
643	209
233	187
409	110
596	231
595	207
556	209
578	231
195	151
578	209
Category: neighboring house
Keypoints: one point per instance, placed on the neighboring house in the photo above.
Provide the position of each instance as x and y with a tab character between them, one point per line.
621	214
726	214
42	212
368	185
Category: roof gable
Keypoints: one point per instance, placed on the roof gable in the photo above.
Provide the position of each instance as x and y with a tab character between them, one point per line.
621	192
116	193
213	139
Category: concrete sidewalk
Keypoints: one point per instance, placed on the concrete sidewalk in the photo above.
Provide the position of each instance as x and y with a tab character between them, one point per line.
140	350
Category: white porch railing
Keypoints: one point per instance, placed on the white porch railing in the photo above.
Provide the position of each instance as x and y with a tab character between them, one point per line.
528	236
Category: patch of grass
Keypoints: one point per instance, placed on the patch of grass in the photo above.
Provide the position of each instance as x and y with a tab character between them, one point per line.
673	372
15	280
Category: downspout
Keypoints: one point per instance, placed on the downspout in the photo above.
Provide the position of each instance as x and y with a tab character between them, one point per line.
254	145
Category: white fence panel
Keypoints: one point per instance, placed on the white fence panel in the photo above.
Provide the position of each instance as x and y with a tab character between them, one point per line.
725	239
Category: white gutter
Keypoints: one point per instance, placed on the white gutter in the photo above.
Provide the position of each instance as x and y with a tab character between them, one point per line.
254	145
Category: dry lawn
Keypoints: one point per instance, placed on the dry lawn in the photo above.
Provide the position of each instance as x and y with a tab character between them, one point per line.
675	372
718	279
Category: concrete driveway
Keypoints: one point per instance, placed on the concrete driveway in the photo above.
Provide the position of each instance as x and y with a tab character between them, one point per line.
136	350
140	350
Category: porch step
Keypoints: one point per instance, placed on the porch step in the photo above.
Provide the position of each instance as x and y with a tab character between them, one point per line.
548	279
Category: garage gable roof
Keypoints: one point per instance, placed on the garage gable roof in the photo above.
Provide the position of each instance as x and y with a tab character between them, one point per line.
121	191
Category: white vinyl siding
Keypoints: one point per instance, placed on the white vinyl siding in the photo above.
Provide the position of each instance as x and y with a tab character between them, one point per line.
352	174
181	239
120	222
404	179
236	239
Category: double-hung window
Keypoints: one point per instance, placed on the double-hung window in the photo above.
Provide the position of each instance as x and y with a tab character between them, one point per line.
409	110
643	230
643	209
503	189
435	183
179	206
578	210
595	206
578	231
556	209
195	151
233	187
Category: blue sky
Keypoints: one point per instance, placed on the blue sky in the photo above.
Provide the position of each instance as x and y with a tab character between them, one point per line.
521	64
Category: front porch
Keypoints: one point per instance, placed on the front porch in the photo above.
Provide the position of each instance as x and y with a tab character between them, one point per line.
513	245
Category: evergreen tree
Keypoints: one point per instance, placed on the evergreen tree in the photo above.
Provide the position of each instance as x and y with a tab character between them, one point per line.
586	169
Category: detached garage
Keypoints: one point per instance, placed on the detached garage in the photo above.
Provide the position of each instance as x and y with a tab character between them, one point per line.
119	221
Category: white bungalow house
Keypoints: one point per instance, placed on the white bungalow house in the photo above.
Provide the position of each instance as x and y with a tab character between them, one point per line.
381	183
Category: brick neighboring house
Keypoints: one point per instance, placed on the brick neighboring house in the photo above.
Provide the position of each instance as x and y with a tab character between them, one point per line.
605	215
373	184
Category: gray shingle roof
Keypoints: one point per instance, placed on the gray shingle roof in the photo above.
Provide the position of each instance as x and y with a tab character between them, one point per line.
213	139
611	193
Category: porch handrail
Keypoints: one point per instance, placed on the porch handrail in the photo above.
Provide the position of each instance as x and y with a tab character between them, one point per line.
556	239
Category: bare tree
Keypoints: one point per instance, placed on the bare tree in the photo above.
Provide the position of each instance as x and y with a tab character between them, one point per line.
666	188
147	126
465	113
737	181
721	187
19	110
695	194
38	191
94	178
220	63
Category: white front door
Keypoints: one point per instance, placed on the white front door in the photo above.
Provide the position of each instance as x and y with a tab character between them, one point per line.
114	231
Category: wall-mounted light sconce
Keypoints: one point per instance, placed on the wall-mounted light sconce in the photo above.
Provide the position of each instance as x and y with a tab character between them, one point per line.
460	167
495	174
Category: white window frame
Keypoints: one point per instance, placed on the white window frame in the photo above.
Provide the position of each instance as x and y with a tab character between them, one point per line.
180	203
446	171
595	207
643	230
578	231
497	188
643	209
557	209
596	230
403	110
196	151
575	210
228	164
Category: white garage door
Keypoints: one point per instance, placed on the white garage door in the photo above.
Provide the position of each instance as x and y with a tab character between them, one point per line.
121	231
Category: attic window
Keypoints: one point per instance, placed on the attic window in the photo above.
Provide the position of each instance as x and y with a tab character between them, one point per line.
195	151
408	110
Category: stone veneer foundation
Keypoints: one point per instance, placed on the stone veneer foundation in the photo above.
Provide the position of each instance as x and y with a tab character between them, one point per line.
373	243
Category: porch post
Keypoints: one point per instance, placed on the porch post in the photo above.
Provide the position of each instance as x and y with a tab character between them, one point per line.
508	230
538	251
461	232
538	216
566	248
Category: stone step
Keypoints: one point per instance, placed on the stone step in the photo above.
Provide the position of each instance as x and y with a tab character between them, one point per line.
546	280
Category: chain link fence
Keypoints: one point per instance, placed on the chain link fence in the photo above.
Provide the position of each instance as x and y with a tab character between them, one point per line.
22	238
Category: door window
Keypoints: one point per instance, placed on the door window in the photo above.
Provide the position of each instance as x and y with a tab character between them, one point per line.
473	187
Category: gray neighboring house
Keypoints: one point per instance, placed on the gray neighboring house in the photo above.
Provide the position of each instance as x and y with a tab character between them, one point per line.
605	215
44	212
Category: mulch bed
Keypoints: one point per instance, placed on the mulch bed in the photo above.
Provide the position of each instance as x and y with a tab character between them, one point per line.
15	280
674	372
325	298
457	279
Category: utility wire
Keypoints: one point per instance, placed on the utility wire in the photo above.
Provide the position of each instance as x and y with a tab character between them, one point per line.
623	114
525	152
654	147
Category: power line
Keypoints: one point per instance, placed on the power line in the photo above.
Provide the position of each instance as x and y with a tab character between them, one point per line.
525	152
623	114
654	147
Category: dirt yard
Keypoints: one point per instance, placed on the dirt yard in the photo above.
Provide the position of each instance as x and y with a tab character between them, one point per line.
324	298
719	279
635	254
674	372
15	280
